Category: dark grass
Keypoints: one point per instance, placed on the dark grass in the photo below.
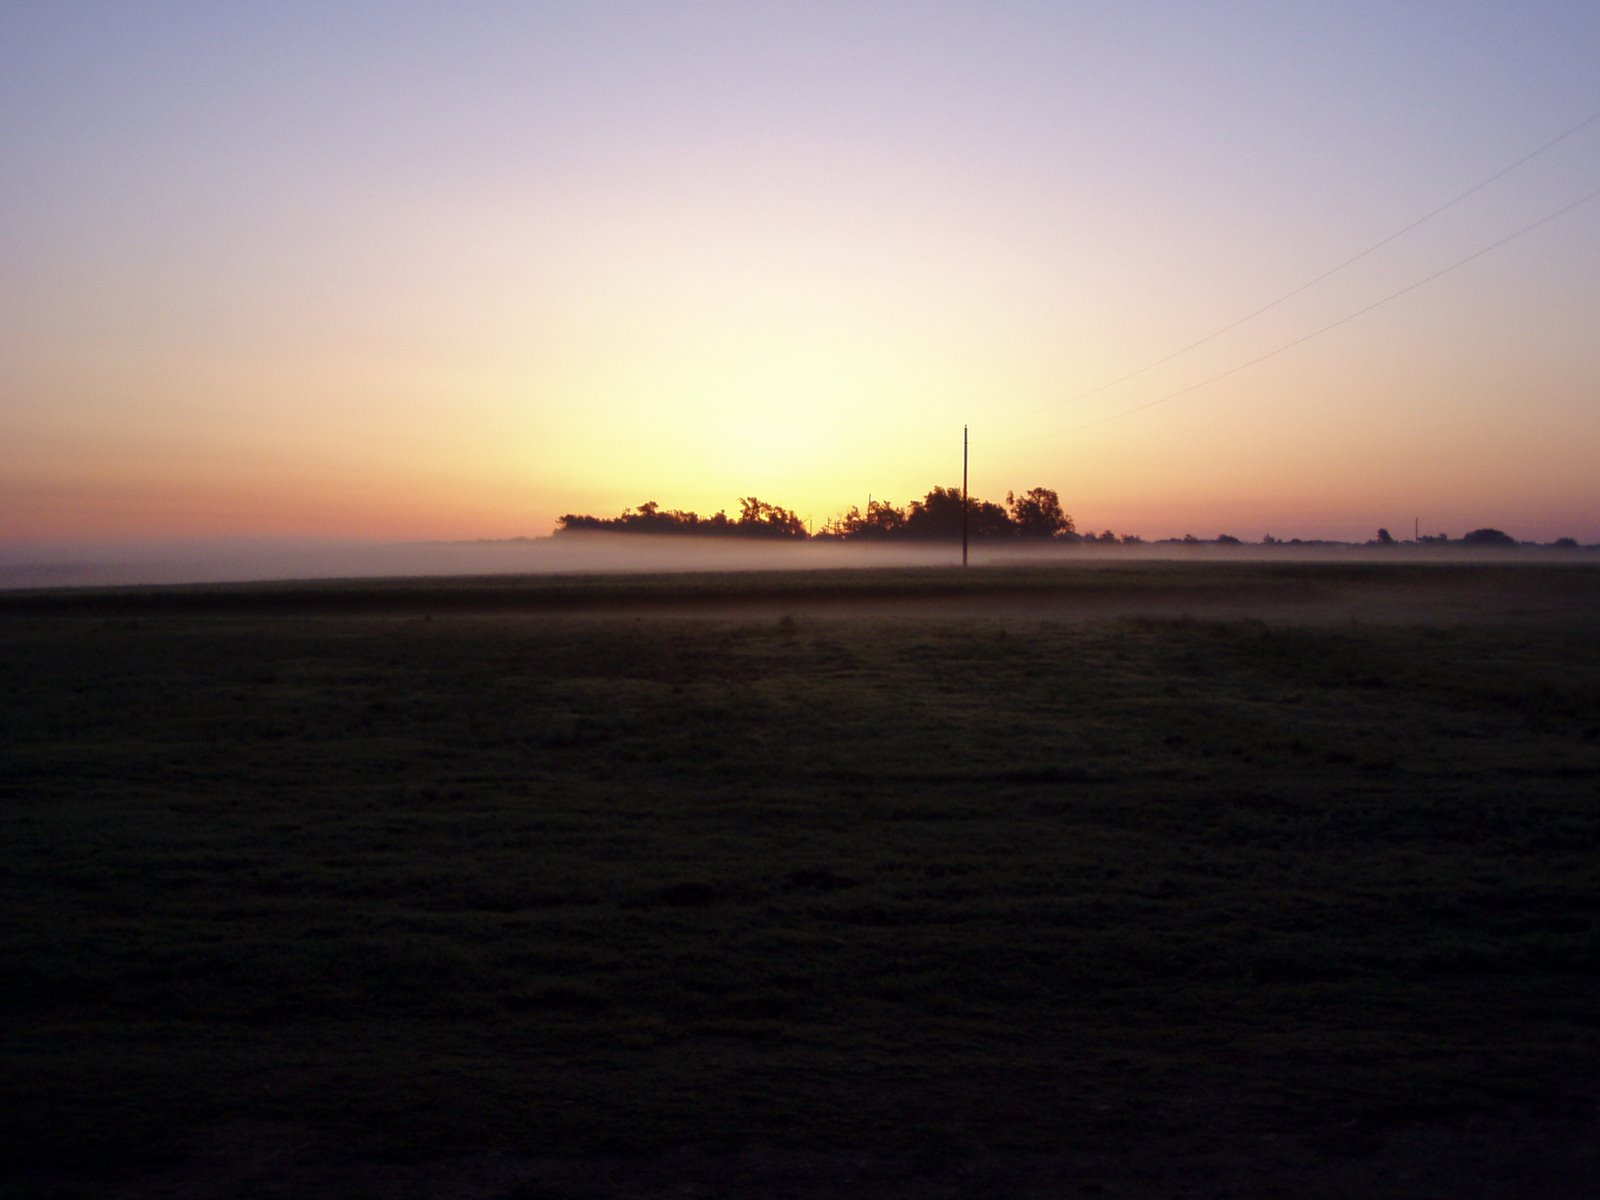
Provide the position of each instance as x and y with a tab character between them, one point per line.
956	896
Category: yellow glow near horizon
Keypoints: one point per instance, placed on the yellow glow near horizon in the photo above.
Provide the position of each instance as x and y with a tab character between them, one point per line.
412	281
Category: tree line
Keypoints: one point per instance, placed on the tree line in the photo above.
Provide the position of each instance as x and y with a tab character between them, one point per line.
756	518
1033	515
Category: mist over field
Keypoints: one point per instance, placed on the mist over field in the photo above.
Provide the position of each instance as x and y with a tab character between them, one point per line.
108	564
835	601
242	561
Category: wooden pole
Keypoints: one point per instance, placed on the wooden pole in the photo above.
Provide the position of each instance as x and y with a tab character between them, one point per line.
963	495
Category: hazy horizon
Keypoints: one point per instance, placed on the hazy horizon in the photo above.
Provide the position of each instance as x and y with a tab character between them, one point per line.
271	560
375	273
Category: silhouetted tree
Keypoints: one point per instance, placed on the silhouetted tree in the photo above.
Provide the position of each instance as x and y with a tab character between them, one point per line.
884	519
1384	539
1488	537
759	519
1037	513
846	525
988	521
881	520
936	515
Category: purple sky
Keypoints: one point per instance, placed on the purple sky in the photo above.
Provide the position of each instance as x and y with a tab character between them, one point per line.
405	270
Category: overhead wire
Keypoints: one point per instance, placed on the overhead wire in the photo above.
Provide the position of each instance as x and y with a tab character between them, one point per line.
1300	341
1332	271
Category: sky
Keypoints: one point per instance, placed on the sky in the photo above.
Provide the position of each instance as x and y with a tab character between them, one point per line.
430	271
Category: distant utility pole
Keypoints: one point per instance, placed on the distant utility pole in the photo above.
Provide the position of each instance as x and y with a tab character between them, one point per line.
963	495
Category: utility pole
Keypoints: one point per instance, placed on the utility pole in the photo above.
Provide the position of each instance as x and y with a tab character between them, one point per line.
963	495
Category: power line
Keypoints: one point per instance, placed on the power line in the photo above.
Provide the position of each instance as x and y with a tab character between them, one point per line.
1410	287
1332	271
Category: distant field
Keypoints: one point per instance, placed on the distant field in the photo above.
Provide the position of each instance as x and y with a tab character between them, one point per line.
1418	593
1150	879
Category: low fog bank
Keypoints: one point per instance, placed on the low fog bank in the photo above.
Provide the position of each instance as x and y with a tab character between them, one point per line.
243	561
238	561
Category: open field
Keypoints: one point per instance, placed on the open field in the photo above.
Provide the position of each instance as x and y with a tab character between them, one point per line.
1151	879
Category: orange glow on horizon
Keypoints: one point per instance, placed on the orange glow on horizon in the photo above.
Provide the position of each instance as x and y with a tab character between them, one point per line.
575	264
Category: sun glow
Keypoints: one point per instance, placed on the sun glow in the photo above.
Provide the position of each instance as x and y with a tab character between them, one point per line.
784	257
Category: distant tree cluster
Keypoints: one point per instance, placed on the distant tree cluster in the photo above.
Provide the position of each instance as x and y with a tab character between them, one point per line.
756	518
1106	538
1034	515
1480	538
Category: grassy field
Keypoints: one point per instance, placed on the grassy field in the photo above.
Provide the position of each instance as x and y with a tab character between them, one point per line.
1158	880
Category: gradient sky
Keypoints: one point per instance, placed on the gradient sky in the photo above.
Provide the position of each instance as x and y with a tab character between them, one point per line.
408	270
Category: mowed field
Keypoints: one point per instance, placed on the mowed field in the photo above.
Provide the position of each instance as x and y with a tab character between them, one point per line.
1131	880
